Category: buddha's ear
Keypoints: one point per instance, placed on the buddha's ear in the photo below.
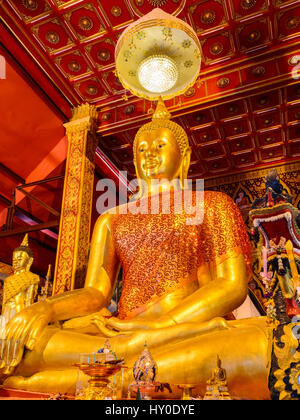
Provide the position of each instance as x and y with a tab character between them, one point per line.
140	184
185	165
29	264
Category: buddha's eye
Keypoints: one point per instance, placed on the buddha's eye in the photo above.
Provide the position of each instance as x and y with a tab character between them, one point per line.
161	145
142	148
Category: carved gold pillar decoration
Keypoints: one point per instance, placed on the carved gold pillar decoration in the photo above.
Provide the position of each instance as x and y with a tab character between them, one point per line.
74	232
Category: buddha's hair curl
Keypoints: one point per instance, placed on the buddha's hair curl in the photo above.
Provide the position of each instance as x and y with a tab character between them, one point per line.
177	130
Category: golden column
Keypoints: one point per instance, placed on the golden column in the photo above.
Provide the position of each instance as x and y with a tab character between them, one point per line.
74	230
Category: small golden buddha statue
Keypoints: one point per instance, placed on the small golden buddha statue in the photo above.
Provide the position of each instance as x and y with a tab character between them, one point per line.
179	281
20	289
217	388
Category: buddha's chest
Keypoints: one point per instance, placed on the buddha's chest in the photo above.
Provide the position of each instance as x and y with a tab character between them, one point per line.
145	236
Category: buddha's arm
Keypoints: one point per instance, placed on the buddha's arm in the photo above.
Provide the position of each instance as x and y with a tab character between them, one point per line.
227	290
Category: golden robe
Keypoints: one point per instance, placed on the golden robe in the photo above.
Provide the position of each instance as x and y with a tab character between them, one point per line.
161	253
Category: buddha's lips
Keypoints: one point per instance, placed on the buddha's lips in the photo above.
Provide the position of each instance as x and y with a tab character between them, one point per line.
151	164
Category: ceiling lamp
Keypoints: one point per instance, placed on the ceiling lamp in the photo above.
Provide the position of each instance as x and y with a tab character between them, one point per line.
158	56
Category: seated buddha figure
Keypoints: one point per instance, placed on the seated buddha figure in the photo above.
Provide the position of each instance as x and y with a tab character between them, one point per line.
20	289
179	282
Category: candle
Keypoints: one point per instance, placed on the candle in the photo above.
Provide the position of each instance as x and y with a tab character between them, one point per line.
8	352
265	261
16	346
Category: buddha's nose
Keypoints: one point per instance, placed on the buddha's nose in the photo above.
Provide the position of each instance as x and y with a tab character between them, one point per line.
151	151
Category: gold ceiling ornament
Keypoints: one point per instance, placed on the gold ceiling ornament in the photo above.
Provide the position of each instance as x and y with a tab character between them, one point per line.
208	17
248	4
216	48
85	23
116	11
157	3
158	56
224	82
30	4
292	22
52	37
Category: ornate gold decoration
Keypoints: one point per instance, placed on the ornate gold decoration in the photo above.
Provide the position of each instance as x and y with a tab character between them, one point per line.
237	129
292	22
188	63
254	36
293	61
52	37
199	118
30	4
216	48
186	43
288	359
139	2
224	82
205	137
190	92
269	139
106	116
129	109
208	16
73	242
91	90
264	100
258	71
74	66
103	55
248	4
99	374
268	121
157	3
85	23
116	11
232	109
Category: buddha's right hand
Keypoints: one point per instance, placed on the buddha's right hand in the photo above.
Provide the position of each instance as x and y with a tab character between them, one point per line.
22	331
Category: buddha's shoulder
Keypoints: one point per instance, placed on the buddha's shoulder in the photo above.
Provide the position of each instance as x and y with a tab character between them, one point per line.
109	215
218	200
26	275
217	195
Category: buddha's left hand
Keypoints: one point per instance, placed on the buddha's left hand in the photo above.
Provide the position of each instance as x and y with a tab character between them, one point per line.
113	326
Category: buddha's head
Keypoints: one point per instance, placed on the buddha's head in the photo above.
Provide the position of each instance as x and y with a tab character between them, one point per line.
161	149
22	257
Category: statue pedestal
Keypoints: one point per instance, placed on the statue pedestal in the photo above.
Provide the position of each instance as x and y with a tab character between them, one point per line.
216	392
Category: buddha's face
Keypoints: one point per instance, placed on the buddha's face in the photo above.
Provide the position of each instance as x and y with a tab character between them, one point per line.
21	261
158	155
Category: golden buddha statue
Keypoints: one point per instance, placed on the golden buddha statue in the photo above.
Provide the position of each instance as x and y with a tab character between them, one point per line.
217	388
20	289
180	280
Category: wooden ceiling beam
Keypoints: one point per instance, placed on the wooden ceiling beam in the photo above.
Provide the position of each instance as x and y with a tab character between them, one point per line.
11	174
33	228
